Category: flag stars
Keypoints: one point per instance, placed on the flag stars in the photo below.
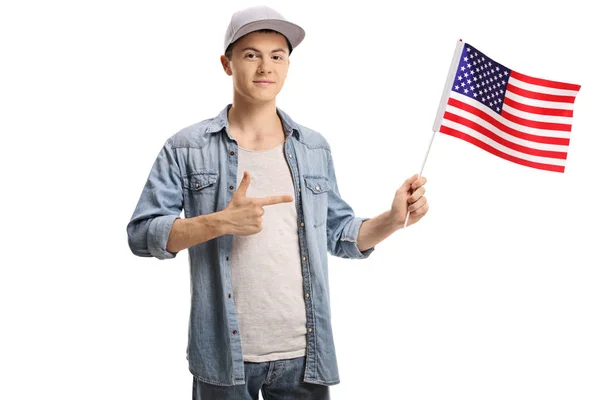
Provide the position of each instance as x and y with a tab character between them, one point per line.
481	79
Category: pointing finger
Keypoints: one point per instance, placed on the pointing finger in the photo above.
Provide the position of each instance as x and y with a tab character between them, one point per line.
269	201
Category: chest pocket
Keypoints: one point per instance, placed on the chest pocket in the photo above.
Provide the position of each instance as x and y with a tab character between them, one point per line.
200	193
316	197
204	181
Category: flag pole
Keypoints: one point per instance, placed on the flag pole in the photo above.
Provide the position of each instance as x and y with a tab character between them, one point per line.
443	101
422	167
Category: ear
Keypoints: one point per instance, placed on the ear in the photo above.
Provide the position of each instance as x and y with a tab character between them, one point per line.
226	65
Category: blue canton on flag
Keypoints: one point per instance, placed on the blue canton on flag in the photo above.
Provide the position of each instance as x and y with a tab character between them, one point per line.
481	78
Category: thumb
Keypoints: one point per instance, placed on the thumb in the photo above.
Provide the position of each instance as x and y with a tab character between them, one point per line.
408	183
244	184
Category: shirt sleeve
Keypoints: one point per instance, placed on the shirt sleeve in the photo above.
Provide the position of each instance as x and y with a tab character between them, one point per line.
159	205
342	224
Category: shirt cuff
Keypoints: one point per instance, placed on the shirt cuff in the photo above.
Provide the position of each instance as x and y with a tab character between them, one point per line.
350	237
158	235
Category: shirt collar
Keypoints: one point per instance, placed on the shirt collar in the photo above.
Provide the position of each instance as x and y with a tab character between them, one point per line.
220	123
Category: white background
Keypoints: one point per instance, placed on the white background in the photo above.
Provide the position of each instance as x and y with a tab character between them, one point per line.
494	295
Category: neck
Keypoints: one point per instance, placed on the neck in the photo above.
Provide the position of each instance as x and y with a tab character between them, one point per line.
256	119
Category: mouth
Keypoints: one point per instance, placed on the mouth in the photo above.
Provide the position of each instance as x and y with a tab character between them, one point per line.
263	83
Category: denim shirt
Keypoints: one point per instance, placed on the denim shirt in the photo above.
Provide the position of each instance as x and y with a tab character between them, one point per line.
196	171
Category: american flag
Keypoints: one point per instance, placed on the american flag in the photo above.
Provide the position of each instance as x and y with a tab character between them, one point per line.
514	116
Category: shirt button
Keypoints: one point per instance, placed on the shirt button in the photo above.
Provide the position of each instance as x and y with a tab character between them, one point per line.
231	153
304	258
229	295
230	187
299	190
227	258
234	331
309	330
318	187
290	155
307	294
302	223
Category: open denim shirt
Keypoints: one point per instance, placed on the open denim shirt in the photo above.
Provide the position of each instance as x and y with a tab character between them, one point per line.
196	172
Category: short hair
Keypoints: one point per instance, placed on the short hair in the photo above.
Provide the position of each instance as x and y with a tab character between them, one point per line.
228	51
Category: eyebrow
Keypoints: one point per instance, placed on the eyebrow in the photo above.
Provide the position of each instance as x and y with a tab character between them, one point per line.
258	51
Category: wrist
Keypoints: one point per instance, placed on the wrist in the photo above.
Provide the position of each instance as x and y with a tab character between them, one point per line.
396	221
221	223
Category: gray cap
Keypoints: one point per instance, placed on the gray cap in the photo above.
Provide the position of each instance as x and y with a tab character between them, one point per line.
261	17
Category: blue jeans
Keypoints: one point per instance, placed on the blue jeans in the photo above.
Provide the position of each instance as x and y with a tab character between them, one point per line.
276	380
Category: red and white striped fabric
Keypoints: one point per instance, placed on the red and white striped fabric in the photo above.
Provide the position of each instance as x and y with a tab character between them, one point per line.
520	118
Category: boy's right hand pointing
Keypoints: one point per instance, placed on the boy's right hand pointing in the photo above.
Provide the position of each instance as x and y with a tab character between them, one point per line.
243	215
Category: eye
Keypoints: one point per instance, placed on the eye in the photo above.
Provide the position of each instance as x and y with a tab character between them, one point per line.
250	54
279	58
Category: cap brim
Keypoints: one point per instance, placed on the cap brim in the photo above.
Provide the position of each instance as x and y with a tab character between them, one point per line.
294	33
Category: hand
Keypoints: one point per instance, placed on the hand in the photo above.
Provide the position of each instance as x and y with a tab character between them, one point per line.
409	198
243	215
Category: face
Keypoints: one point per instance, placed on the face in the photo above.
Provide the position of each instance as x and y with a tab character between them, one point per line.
258	66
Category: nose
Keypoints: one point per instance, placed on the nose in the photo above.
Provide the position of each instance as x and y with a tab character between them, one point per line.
264	67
